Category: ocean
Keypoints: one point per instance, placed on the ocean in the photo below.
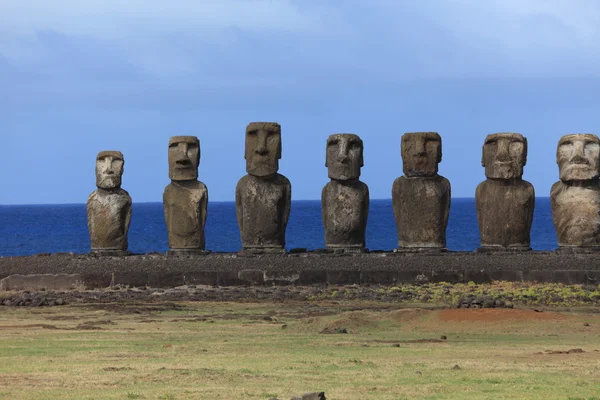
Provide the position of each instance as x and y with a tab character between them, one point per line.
33	229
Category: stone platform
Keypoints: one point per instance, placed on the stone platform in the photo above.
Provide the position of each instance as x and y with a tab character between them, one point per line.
227	269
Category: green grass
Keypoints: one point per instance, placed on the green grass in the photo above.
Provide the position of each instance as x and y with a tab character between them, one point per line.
241	351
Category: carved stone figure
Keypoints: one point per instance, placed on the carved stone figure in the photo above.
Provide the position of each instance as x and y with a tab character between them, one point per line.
421	198
109	207
505	202
185	199
576	197
345	199
263	197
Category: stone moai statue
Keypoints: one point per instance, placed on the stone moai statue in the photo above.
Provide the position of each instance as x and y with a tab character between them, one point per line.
263	197
185	199
421	198
109	207
575	198
345	200
505	201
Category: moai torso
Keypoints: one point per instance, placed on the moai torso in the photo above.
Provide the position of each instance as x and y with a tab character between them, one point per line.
575	199
421	198
505	202
185	200
263	207
109	207
185	207
345	200
109	215
263	197
505	213
421	208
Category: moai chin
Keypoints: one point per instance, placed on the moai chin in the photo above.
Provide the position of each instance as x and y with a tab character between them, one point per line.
345	199
185	199
109	207
263	197
575	198
505	202
421	198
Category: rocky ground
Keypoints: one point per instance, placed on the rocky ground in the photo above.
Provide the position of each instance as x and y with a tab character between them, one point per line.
496	295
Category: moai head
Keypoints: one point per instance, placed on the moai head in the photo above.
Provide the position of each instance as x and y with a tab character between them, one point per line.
184	158
344	156
504	155
109	169
578	157
421	153
263	148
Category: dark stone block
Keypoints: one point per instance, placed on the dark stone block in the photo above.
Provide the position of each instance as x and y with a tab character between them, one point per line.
506	275
477	276
131	278
281	278
229	278
343	277
412	277
96	280
378	277
209	278
252	277
454	276
313	277
164	279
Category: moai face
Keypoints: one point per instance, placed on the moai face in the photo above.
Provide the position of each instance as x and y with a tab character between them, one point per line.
504	155
578	157
263	148
344	156
109	169
184	158
421	153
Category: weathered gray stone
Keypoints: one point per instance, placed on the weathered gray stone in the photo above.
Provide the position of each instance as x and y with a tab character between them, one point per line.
109	207
185	199
41	281
575	198
345	200
421	198
505	202
311	396
263	197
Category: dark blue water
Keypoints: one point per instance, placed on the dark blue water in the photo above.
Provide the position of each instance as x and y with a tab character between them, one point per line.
63	228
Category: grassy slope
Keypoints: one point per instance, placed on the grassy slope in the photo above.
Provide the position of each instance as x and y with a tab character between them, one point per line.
241	351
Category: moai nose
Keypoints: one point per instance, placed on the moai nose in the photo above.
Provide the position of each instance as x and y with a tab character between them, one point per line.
262	150
578	154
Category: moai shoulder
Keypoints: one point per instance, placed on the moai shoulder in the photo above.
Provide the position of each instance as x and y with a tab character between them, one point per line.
575	199
185	199
263	197
421	198
505	202
109	207
345	199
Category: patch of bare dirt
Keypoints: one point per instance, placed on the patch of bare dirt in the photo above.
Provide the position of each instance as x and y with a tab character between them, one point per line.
498	315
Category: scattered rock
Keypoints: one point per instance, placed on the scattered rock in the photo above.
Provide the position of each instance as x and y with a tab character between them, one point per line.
418	373
310	396
396	345
456	368
284	326
444	337
586	324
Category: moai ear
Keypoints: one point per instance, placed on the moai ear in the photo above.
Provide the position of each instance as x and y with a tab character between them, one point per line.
525	147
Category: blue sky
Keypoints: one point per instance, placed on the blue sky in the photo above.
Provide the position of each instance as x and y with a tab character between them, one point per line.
78	77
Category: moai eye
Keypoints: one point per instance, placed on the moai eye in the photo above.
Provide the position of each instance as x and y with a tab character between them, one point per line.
173	145
253	132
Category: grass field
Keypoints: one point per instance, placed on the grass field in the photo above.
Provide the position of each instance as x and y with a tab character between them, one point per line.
209	350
